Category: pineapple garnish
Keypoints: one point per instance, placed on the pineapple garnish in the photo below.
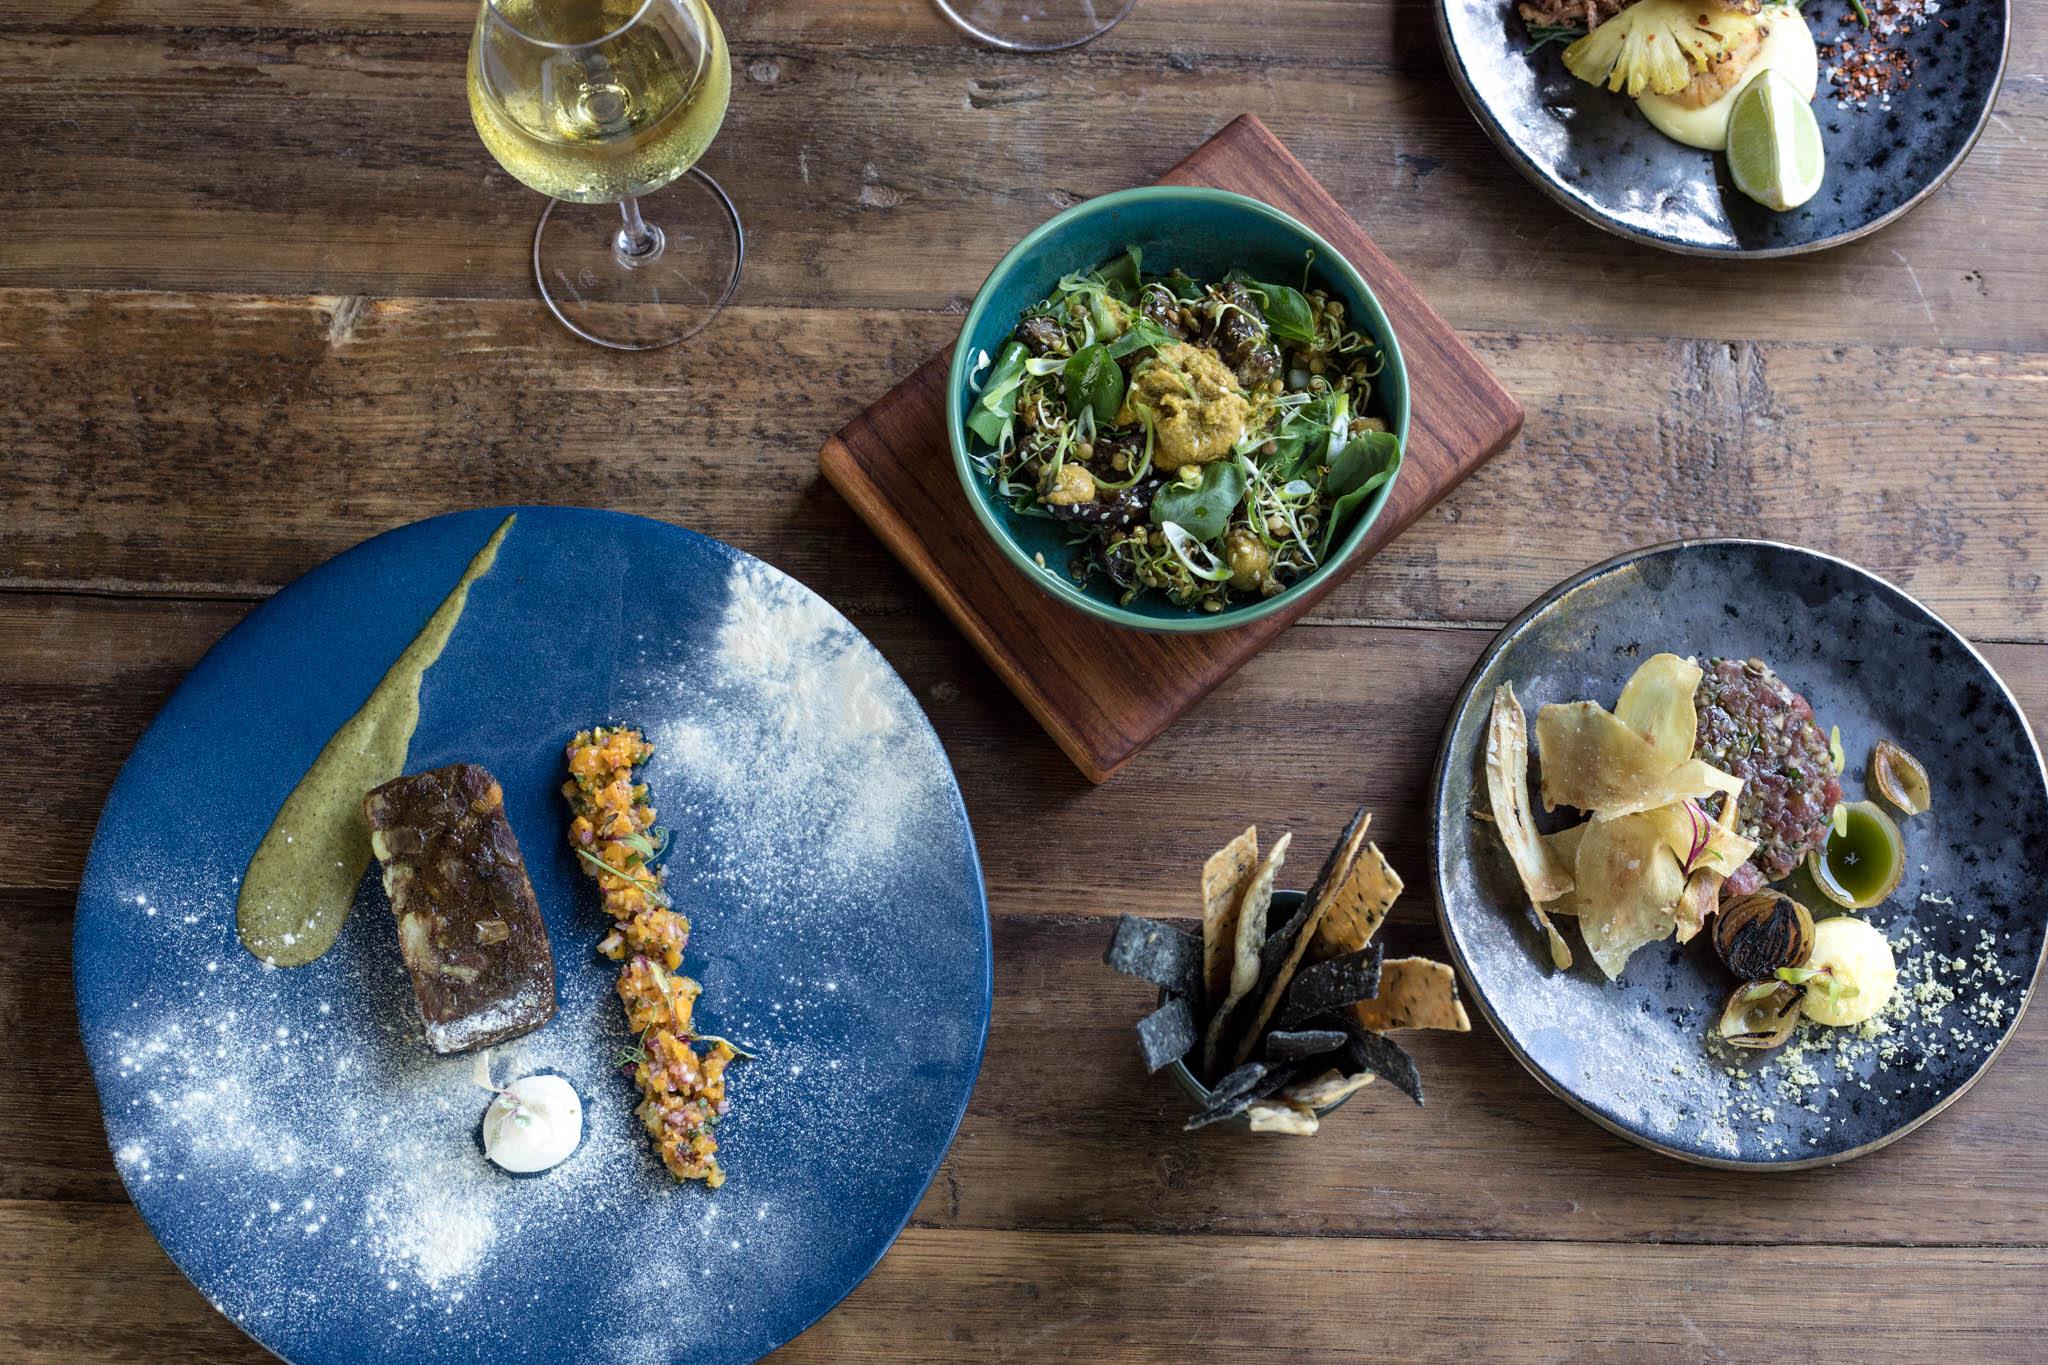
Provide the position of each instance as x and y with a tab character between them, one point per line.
1658	46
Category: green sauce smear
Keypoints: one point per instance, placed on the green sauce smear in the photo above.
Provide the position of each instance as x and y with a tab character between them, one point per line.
304	874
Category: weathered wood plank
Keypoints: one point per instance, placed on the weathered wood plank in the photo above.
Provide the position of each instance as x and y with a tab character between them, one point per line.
1327	718
230	443
84	1283
886	175
1063	1098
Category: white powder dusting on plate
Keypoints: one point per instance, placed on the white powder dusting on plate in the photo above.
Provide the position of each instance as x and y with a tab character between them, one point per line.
313	1167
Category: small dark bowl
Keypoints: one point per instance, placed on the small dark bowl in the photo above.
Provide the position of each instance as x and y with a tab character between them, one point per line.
1285	903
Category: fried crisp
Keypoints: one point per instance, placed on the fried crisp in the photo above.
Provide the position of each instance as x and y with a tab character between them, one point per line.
1594	761
1283	951
1224	879
1358	907
1249	938
1544	876
1332	984
1414	993
1167	1033
1326	1089
1294	1120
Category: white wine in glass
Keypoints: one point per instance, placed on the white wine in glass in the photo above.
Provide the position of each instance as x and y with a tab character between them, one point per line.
609	104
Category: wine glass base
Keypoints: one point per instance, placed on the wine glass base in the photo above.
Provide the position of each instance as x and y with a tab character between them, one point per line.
605	292
1034	25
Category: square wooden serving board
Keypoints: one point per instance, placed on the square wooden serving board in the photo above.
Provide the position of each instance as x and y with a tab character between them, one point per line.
1101	691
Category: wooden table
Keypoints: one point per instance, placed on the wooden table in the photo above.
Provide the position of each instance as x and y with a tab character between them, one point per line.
265	295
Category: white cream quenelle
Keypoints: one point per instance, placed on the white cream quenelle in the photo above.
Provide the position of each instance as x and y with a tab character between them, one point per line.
534	1123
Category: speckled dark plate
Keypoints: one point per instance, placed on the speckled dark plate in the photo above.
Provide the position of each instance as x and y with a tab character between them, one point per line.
1595	154
1632	1054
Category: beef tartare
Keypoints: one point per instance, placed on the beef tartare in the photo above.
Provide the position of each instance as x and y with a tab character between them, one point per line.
1754	726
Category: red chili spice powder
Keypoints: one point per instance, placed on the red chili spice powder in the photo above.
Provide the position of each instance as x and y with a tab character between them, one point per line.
1865	62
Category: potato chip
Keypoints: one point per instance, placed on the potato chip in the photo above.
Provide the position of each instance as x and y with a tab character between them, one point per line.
1657	704
1415	993
1544	876
1224	879
1629	883
1594	762
1357	907
1249	938
1268	1117
1724	851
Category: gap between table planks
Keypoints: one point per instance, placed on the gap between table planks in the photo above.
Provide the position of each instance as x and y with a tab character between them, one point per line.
1103	692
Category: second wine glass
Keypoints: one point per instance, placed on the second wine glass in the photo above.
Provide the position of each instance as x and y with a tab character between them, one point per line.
605	106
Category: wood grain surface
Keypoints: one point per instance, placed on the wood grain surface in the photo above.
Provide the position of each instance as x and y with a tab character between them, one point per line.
263	295
1101	691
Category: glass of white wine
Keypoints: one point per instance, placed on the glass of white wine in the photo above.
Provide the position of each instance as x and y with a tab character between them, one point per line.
604	106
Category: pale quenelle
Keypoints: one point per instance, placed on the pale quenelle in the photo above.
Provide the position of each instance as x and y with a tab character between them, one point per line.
535	1123
1860	961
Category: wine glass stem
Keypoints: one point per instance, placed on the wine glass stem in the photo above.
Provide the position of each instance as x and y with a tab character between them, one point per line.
637	241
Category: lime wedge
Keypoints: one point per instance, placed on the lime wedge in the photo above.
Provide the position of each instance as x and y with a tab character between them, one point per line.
1774	151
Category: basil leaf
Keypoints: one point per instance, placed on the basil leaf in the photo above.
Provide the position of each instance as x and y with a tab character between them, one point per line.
1143	333
1182	285
1094	382
1355	475
996	405
1204	510
1301	443
1288	315
1121	275
1362	457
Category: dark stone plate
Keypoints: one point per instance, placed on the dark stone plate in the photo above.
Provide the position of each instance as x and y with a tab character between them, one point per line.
1968	919
1595	154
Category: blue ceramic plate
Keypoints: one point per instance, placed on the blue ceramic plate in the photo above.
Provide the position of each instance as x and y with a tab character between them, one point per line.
1967	924
1592	152
311	1166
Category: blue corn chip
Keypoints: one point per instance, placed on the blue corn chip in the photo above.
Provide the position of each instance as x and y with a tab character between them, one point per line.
1167	1033
1374	1052
1265	1081
1332	984
1238	1082
1291	1046
1158	953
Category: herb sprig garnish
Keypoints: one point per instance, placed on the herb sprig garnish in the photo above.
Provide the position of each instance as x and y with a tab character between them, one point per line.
1543	35
646	885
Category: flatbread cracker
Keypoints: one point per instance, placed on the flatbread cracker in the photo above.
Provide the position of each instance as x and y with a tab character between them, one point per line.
1414	993
1358	907
1276	975
1224	879
1269	1117
1249	938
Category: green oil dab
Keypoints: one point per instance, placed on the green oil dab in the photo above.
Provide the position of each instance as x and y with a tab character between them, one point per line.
303	876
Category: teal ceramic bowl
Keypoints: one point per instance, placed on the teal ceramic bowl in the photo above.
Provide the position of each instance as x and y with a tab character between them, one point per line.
1204	232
